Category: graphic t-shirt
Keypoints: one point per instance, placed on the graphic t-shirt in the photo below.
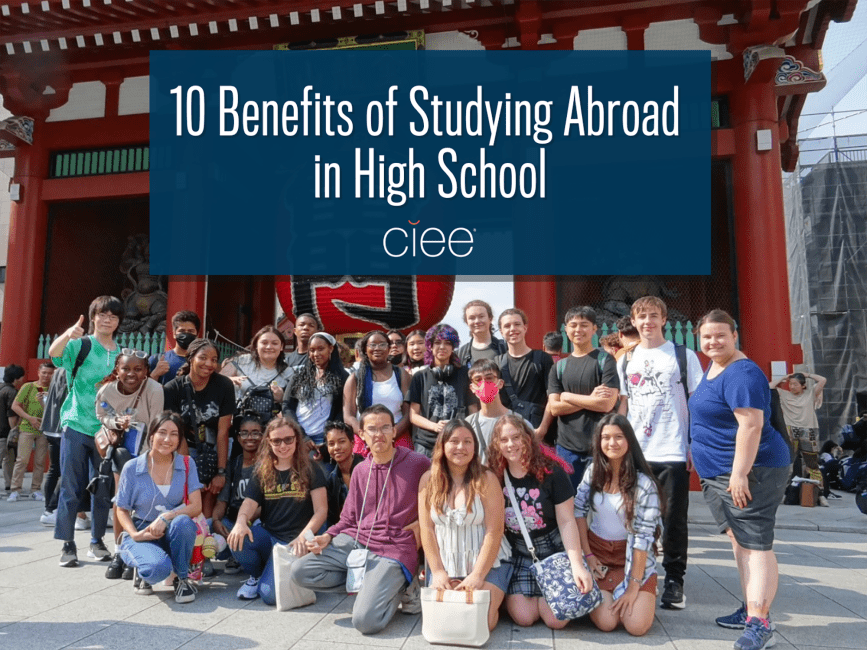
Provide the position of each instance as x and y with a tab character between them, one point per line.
580	375
537	502
202	416
657	401
286	509
235	488
439	400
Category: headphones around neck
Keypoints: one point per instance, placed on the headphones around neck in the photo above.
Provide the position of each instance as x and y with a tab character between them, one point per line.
443	373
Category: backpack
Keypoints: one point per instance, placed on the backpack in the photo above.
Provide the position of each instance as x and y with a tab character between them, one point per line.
679	355
531	412
778	421
58	390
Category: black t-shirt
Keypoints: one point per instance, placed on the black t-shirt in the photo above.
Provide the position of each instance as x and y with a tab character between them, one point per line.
337	489
235	488
439	400
529	375
214	401
580	376
286	510
537	502
7	399
295	359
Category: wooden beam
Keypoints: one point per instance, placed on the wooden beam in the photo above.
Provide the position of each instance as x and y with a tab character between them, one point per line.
110	186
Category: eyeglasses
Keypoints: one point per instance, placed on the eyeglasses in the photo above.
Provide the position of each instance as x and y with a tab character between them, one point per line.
249	434
377	346
281	442
129	352
387	429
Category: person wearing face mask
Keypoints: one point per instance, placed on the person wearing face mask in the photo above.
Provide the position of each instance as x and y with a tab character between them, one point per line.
485	383
185	327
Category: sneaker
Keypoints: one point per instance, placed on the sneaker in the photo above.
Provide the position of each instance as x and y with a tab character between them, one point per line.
141	587
250	589
823	501
82	523
734	621
672	595
69	555
208	570
13	496
128	572
410	600
756	635
115	569
49	518
37	496
232	566
185	592
831	495
98	551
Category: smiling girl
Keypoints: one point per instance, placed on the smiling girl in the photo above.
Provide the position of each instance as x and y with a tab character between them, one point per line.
621	494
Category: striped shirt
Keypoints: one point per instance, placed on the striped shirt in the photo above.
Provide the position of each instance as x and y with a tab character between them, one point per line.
460	535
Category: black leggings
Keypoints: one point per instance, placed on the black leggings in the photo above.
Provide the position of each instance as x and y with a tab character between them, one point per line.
52	478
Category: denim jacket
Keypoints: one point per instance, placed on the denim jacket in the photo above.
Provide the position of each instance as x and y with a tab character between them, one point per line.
644	522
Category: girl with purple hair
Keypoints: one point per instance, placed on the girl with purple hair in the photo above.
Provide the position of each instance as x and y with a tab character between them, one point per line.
440	391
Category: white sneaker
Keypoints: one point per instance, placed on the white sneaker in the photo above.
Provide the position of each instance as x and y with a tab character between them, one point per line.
48	518
13	496
37	496
82	524
250	589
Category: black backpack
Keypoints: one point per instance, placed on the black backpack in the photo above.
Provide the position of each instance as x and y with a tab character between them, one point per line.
58	390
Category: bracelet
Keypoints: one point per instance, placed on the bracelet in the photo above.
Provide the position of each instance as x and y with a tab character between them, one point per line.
586	555
635	580
165	521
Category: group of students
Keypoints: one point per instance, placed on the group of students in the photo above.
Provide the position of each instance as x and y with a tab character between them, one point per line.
452	441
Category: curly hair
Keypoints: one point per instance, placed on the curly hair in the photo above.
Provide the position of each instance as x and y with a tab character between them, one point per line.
195	347
441	332
441	481
633	464
266	462
534	461
112	376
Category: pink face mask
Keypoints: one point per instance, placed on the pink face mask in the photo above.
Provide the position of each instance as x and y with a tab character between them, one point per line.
487	391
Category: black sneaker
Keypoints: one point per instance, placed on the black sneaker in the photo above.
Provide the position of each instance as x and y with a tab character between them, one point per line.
98	551
672	595
116	568
69	555
232	566
185	592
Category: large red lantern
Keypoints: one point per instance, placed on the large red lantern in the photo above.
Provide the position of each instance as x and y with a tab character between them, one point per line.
347	304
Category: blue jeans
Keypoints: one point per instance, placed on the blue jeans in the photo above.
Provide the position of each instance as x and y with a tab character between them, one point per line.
578	462
256	559
155	560
79	460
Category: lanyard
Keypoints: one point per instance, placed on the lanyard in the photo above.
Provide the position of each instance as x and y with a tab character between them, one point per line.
364	500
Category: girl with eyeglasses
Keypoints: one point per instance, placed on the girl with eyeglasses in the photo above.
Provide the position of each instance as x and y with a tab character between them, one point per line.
125	403
231	497
290	490
376	381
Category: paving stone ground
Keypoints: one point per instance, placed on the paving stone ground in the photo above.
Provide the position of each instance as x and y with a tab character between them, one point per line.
822	600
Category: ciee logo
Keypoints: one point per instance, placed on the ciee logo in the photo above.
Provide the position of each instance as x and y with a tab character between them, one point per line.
431	243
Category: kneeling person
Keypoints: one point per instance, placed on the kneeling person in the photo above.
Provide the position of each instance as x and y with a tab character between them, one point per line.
380	516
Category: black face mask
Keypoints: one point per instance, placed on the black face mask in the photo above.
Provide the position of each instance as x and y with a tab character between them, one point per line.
184	339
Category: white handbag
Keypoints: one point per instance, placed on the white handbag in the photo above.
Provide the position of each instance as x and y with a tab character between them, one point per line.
289	595
455	617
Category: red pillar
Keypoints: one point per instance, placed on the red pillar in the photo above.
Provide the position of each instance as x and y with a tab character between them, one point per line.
760	234
25	267
186	292
537	296
263	303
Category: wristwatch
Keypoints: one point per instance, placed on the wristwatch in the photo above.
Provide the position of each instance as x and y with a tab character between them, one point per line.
221	471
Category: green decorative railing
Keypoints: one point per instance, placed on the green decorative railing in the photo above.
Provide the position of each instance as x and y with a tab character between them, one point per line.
151	343
98	162
680	333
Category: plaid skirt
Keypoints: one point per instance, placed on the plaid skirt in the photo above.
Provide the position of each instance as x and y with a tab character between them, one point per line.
523	581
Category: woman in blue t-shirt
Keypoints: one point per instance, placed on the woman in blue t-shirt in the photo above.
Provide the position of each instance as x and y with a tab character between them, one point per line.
743	463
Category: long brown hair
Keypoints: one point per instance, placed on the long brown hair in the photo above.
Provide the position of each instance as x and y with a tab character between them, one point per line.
441	481
266	461
632	465
534	461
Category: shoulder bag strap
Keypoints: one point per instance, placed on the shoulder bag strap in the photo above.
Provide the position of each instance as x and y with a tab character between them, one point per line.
507	378
83	351
186	478
518	515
